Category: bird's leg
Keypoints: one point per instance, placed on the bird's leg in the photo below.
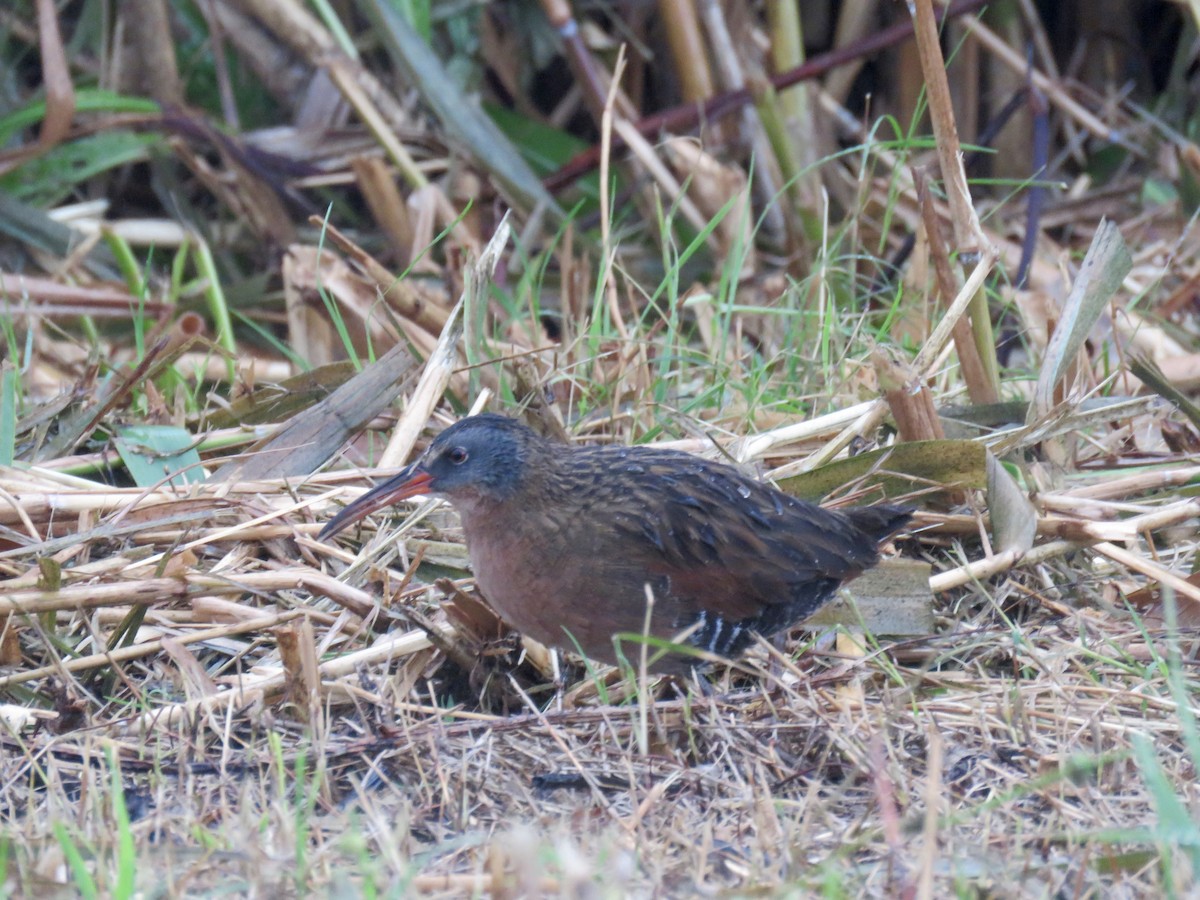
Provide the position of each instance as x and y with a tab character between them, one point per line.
779	641
495	667
561	682
694	682
702	683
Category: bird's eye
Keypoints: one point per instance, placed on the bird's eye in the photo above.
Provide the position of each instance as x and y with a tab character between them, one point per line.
457	455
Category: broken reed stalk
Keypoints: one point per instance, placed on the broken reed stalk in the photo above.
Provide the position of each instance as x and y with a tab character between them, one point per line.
908	397
980	387
147	648
157	590
302	681
254	689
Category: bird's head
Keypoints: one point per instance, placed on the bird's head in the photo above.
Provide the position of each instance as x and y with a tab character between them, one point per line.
479	459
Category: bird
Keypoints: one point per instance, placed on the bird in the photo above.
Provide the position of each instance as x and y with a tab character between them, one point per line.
590	548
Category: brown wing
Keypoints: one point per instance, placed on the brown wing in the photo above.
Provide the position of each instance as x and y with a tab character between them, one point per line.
726	552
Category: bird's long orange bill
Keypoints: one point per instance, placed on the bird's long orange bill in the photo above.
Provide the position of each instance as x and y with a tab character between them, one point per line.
411	482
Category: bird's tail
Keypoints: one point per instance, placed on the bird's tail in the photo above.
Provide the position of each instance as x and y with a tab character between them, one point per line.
879	522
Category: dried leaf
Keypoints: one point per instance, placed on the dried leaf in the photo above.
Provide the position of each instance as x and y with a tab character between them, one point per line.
898	470
1148	601
1104	268
312	437
1014	520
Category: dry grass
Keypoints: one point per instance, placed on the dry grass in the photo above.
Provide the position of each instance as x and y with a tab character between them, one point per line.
994	754
200	698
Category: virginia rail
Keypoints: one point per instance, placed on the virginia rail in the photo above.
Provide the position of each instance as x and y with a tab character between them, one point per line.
565	540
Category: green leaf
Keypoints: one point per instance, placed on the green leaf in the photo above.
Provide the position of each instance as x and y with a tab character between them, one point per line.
47	179
547	148
1175	824
86	101
8	412
461	117
126	861
154	452
85	884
